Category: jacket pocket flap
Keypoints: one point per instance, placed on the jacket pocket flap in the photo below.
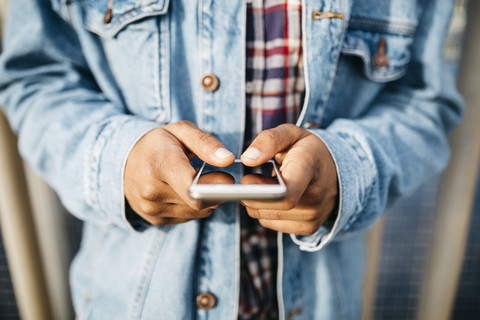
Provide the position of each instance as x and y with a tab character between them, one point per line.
124	12
395	49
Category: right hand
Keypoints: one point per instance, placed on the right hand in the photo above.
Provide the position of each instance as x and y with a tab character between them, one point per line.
158	172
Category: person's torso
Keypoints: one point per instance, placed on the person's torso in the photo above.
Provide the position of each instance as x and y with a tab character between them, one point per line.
152	57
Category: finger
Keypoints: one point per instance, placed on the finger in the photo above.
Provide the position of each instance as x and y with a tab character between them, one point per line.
158	191
253	178
270	142
292	227
216	177
297	175
305	214
285	204
163	210
185	212
177	172
160	221
201	143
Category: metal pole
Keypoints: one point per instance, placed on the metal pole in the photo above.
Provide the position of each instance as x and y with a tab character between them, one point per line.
458	189
374	248
49	217
19	233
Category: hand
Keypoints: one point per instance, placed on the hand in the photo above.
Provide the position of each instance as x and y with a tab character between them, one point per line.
309	173
158	172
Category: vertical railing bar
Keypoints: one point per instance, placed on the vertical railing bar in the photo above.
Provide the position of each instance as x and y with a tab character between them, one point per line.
374	248
49	218
18	232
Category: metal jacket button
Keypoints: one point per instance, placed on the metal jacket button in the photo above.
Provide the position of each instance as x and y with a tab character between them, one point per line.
210	82
107	18
380	58
206	301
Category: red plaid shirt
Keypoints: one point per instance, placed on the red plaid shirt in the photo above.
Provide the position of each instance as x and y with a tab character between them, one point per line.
274	95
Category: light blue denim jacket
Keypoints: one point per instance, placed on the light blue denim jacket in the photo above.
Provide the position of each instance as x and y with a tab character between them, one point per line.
80	93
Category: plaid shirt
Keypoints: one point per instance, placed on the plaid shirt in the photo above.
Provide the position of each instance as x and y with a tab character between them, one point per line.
274	95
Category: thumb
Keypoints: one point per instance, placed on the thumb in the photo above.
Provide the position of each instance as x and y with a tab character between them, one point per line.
201	143
271	142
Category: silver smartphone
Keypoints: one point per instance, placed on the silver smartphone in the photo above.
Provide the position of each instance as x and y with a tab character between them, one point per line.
238	182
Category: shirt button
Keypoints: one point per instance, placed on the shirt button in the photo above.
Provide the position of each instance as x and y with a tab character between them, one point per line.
210	82
206	301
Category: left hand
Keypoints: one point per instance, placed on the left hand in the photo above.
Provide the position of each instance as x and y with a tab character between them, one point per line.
309	173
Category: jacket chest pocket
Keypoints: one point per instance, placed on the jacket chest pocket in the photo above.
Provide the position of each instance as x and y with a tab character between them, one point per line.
376	51
383	46
135	39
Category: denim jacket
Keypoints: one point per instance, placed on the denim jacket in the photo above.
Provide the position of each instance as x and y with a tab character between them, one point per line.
81	92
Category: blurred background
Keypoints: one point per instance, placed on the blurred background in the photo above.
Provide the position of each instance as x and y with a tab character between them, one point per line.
424	255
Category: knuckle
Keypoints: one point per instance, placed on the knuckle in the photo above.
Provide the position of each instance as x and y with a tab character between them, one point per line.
253	213
149	209
288	126
205	138
289	204
312	215
309	229
269	136
276	215
149	192
157	222
195	205
184	123
264	223
204	213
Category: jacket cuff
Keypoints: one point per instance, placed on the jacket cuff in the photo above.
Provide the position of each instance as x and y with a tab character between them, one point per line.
106	166
356	174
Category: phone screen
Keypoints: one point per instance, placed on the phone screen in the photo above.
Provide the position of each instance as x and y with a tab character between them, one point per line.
238	182
238	173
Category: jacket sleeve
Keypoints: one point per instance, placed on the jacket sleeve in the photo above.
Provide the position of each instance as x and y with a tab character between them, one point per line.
68	130
401	141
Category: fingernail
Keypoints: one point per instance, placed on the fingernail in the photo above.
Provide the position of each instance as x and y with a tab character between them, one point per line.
222	153
252	153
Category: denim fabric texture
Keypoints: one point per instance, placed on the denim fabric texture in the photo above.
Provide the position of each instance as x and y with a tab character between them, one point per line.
80	93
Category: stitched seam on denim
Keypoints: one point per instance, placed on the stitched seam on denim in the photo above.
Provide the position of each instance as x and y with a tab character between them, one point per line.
404	28
305	107
237	262
163	70
147	272
280	267
390	75
200	44
93	176
156	68
299	299
243	82
116	26
336	65
85	309
157	8
368	189
408	25
333	264
337	51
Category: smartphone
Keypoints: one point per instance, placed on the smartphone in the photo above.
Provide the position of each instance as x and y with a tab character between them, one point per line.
238	182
